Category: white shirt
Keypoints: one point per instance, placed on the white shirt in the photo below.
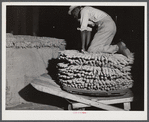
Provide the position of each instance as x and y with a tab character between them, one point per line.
90	15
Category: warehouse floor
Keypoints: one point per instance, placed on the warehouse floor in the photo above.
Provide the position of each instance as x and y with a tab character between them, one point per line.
34	106
37	100
53	105
37	106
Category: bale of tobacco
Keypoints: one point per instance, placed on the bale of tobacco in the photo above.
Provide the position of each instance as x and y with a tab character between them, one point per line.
27	41
94	72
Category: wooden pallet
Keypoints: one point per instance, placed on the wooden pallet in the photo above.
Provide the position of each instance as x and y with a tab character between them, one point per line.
95	92
45	84
125	100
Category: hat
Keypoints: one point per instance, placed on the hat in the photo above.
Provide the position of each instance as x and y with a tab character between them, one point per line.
71	8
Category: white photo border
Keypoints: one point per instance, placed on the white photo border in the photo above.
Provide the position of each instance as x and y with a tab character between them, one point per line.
70	115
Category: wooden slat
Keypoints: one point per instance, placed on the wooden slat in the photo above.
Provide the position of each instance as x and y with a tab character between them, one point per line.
48	87
128	97
127	106
98	98
115	101
45	82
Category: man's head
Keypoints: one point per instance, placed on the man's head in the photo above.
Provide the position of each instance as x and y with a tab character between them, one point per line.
74	11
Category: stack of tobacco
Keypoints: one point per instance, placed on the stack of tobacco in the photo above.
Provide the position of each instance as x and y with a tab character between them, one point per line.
26	41
94	72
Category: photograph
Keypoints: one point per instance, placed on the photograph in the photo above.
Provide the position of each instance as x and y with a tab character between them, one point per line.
74	61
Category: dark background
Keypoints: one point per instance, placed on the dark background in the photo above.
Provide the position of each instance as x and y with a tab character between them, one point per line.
54	21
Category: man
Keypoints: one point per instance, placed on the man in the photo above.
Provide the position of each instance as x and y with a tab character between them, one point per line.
106	29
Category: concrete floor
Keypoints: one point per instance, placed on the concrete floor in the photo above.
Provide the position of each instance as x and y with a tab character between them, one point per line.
42	101
36	100
34	106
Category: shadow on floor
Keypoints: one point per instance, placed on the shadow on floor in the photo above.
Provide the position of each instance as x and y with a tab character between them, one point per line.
30	94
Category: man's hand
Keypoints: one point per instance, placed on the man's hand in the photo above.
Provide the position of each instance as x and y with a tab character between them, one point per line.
91	25
83	51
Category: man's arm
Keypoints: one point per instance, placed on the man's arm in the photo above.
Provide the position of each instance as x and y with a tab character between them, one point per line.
88	38
85	30
83	39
